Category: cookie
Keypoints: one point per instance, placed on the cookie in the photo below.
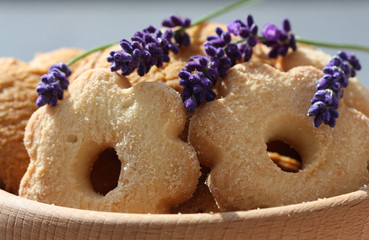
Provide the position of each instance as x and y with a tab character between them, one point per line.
17	103
103	112
202	200
260	105
42	61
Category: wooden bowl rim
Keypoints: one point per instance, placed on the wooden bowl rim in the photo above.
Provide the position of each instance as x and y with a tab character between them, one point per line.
16	203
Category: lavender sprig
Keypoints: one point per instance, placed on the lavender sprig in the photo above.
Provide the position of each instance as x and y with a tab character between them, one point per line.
197	78
148	48
222	42
180	36
221	55
280	40
330	88
52	85
247	31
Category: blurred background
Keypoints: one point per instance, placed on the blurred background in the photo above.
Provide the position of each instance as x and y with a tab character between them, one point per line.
28	27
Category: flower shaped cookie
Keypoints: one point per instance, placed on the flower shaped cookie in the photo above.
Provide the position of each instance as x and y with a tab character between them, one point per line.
261	105
141	123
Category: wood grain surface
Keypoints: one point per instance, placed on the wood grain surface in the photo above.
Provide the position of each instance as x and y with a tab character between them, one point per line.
342	217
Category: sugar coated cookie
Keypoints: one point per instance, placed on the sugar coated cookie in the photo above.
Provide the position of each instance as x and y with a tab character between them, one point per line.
103	112
259	105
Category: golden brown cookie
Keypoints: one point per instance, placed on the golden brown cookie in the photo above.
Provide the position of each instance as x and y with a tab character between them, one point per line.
18	95
42	61
202	201
17	103
141	123
261	104
356	95
305	55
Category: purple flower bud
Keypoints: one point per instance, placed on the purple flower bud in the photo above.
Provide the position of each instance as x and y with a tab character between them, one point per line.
190	104
330	89
316	108
210	95
197	79
180	36
286	25
317	121
206	82
279	40
167	23
273	53
197	88
186	92
52	85
184	75
249	20
234	27
271	32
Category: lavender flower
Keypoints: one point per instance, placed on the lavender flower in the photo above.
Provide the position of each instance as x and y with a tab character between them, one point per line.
280	40
216	45
330	88
219	46
201	73
352	61
197	79
148	48
248	32
324	108
180	36
52	85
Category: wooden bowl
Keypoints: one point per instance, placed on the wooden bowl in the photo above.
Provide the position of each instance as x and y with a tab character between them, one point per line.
341	217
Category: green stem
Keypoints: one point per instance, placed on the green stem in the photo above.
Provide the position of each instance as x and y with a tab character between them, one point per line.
221	11
203	19
89	52
334	45
320	44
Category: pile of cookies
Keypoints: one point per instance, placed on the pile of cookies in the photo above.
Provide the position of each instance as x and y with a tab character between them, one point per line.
127	144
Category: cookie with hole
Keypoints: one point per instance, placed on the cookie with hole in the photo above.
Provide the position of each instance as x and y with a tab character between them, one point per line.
259	107
136	128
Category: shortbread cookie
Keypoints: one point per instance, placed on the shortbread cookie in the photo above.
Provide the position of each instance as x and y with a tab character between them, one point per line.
141	123
202	200
42	61
18	96
261	104
305	55
17	103
356	95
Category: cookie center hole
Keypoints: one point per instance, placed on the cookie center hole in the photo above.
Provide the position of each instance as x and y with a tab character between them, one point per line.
284	156
105	171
